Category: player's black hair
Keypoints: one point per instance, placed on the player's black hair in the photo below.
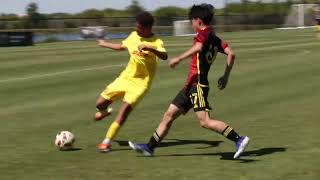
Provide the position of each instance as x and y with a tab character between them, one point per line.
145	19
203	12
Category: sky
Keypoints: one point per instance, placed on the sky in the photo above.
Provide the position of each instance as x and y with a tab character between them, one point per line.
75	6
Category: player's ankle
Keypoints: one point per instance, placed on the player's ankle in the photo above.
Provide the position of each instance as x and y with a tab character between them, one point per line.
106	141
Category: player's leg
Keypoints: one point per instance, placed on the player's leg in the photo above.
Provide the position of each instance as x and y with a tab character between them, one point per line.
172	113
168	118
102	108
180	105
132	95
112	92
217	126
224	129
201	108
114	128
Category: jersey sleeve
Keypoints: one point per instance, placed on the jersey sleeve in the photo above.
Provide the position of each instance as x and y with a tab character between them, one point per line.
126	41
200	37
221	44
160	45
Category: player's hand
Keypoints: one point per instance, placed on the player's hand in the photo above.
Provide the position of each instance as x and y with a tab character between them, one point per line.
174	62
222	82
100	42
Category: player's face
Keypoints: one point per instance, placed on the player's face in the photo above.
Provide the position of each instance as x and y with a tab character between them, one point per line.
143	31
195	24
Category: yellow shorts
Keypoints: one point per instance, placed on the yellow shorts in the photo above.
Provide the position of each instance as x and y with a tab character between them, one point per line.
317	28
130	91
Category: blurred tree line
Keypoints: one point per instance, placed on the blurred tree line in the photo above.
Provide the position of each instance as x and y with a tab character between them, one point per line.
34	19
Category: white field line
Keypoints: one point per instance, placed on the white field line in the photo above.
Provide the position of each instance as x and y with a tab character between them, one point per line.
120	65
300	27
59	73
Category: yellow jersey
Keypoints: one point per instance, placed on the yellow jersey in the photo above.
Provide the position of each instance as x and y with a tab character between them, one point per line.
317	28
142	65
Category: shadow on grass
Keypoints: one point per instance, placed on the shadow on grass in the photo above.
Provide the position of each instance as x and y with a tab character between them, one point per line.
72	149
121	142
173	142
229	155
176	142
224	155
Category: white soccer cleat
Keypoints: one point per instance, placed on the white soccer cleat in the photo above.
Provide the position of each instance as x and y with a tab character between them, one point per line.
141	148
241	146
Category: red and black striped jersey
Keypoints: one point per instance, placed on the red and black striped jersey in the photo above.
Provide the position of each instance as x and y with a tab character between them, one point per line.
201	61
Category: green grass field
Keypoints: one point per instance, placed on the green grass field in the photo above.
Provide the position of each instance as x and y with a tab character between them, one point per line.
273	96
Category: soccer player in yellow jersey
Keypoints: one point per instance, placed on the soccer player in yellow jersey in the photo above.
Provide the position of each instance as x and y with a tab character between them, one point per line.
144	48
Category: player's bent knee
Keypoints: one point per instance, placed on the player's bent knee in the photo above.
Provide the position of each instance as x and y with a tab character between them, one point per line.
98	116
203	123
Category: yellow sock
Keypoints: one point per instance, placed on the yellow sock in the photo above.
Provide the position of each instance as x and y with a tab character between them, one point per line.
113	130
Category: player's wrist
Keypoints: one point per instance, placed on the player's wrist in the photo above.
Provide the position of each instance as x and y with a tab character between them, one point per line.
179	59
151	49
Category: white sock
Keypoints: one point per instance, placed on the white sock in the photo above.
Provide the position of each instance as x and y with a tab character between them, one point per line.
106	141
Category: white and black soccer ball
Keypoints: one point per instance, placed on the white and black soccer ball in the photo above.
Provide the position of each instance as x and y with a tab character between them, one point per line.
64	140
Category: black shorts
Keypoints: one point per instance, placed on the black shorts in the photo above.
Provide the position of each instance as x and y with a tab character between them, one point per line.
196	97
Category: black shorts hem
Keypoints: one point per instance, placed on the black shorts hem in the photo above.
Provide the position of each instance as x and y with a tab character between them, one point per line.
182	109
202	109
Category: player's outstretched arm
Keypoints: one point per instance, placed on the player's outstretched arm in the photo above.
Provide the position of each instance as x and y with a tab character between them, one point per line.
223	80
161	55
114	46
194	49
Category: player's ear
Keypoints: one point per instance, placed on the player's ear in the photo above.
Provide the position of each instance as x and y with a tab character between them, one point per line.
200	22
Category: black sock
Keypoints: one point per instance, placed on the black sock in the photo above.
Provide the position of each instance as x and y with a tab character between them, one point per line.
154	140
230	134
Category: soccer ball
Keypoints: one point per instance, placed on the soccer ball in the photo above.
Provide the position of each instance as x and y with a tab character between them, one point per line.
64	140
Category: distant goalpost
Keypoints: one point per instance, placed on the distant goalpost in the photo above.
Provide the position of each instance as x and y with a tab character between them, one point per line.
182	28
301	16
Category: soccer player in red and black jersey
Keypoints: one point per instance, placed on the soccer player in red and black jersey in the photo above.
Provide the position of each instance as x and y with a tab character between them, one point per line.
204	50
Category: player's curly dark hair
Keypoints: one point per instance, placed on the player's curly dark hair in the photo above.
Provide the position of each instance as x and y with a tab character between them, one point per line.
203	12
145	19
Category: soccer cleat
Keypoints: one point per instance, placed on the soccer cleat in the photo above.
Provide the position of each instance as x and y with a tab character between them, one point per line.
241	145
141	148
102	114
104	147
